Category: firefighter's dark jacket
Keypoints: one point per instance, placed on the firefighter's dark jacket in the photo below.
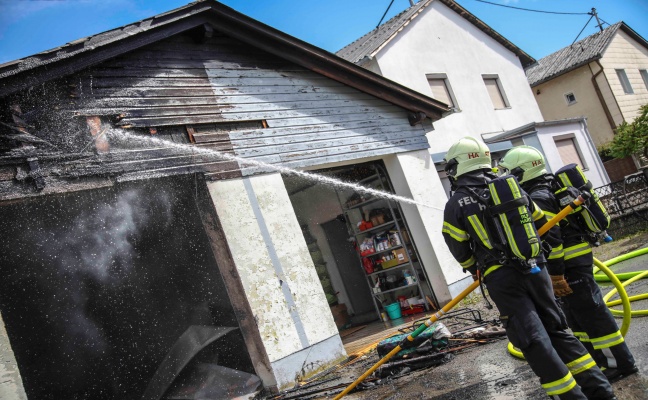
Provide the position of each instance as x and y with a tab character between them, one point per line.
465	223
541	192
576	249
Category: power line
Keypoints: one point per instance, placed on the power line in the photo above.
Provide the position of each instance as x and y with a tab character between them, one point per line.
386	11
528	9
579	33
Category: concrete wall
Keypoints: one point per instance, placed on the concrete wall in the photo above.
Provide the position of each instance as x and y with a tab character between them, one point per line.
441	41
278	276
11	386
551	99
623	52
326	208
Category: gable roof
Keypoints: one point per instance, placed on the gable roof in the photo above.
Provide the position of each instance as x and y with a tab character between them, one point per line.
578	54
373	41
82	53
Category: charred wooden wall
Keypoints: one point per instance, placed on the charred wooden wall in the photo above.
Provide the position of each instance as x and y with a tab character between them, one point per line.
217	93
309	119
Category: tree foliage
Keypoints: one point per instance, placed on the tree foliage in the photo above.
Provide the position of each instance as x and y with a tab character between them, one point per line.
632	138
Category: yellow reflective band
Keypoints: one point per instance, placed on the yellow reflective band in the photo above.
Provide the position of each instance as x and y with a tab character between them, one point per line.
581	364
491	269
456	233
550	214
607	341
528	228
469	262
557	252
565	179
537	214
560	386
577	250
582	336
479	229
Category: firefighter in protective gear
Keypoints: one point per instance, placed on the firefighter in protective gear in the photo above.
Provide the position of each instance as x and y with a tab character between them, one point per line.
580	296
533	321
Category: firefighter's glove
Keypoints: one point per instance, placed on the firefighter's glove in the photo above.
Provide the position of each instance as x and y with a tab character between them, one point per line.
560	286
473	271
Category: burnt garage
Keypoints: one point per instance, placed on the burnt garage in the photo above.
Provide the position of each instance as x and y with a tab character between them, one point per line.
148	240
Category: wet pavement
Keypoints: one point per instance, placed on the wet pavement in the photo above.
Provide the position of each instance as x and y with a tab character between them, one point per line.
489	372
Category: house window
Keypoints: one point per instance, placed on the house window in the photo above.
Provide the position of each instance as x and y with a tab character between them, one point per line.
569	151
644	76
625	83
441	89
495	91
571	99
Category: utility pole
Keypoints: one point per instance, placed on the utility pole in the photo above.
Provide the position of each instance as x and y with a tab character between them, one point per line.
598	21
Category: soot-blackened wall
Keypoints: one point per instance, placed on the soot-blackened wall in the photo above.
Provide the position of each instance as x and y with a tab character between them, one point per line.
96	286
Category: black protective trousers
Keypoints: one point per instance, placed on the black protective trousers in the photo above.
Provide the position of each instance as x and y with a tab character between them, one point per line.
587	313
536	325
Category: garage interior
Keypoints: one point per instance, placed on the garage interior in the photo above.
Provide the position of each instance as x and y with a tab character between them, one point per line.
99	286
329	224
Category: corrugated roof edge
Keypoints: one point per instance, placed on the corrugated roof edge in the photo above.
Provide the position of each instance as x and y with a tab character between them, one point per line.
525	59
238	26
618	25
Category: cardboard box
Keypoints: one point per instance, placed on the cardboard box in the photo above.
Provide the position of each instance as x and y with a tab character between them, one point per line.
401	255
390	263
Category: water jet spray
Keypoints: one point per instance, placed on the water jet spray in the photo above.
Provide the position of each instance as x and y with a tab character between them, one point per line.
120	134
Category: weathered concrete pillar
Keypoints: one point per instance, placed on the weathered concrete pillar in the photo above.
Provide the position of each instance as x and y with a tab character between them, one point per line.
11	386
278	277
414	175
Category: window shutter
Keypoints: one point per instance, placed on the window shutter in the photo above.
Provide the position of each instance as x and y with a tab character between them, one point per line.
568	152
494	92
440	91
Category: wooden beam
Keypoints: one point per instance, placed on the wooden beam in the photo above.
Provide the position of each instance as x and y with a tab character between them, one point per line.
101	143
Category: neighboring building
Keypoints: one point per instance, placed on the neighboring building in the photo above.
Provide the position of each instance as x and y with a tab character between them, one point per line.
558	148
603	77
440	49
116	250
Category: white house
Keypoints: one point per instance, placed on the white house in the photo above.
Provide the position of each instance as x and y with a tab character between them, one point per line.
440	49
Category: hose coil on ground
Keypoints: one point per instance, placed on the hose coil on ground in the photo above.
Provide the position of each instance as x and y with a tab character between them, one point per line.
609	276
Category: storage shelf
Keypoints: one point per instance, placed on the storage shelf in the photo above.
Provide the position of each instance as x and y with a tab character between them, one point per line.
382	271
375	228
398	288
365	203
380	181
368	179
383	251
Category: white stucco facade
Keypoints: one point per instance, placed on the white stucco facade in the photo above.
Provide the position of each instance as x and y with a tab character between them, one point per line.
440	41
543	136
278	276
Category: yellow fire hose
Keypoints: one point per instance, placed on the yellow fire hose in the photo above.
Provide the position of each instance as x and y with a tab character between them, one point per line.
543	229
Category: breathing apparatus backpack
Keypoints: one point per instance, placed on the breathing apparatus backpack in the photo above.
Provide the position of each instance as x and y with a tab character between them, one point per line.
591	217
510	226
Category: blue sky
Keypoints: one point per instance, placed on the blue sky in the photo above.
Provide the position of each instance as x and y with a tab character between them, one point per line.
30	26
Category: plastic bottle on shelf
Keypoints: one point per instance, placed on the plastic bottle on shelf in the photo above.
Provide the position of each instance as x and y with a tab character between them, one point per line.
408	278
